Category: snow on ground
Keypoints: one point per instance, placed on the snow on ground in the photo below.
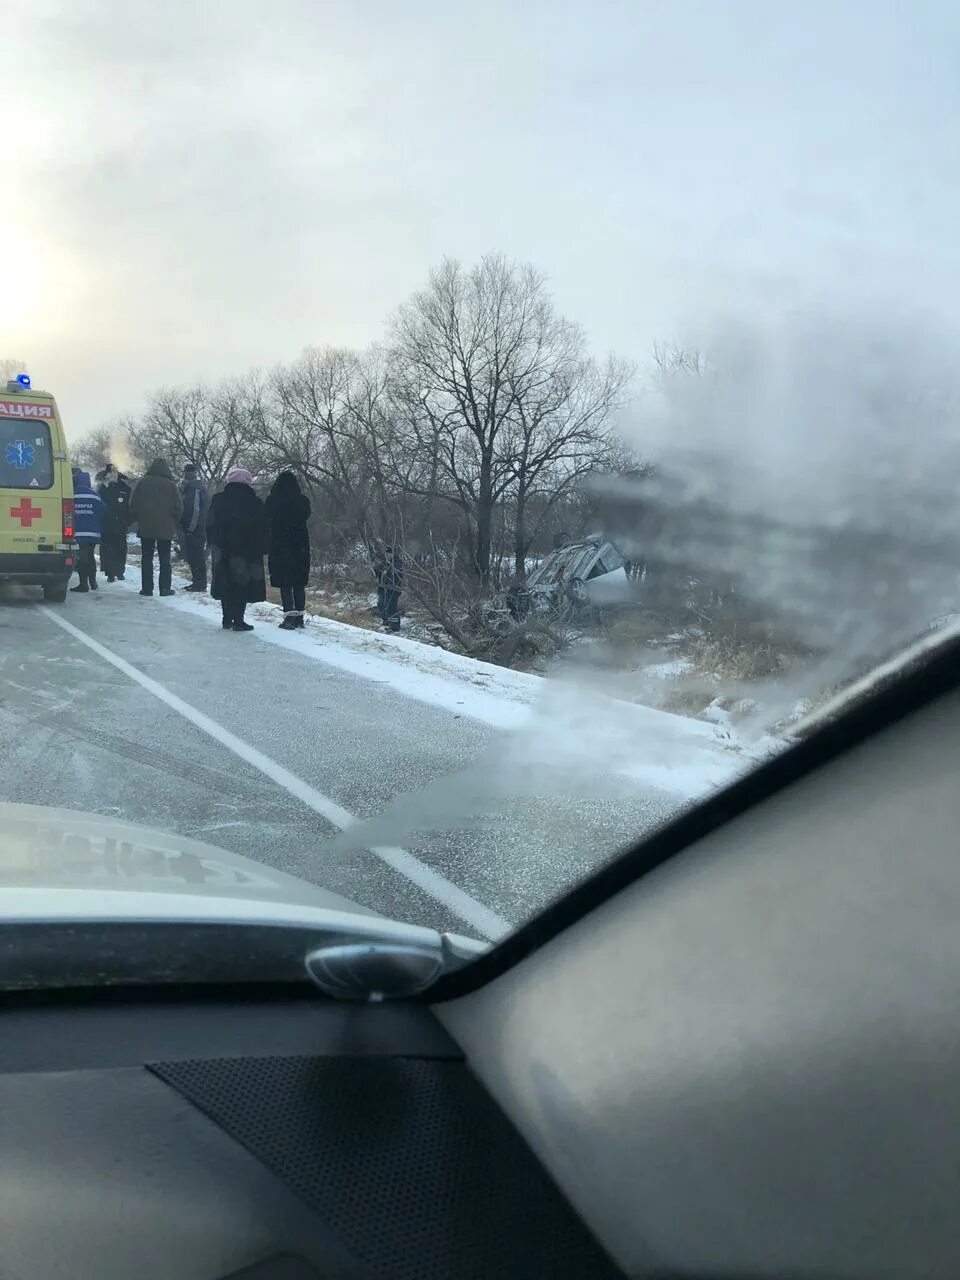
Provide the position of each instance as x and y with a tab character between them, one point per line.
672	670
493	695
560	718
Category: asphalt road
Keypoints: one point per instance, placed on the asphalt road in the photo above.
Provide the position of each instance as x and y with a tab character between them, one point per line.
134	714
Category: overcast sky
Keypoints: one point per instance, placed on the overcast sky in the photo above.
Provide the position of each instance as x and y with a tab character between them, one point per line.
192	189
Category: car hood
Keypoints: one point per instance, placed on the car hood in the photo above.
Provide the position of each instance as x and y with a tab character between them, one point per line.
52	851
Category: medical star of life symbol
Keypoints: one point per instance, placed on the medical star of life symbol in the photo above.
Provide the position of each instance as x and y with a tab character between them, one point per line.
20	454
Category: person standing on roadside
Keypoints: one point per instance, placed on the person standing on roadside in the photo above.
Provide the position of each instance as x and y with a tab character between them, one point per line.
87	519
193	527
237	533
288	510
156	507
389	571
379	566
114	493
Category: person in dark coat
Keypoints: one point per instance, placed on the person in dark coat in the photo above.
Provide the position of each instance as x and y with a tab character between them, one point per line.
156	507
237	534
87	521
288	510
388	568
193	527
115	495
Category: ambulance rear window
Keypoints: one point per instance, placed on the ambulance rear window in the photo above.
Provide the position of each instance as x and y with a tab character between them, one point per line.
26	455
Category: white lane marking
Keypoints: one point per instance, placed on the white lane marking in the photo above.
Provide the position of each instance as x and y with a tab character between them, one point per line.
431	882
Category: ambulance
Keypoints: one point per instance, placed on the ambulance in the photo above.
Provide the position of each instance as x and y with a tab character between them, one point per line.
37	543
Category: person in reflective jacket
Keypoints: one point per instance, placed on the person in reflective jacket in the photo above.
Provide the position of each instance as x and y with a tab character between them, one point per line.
87	520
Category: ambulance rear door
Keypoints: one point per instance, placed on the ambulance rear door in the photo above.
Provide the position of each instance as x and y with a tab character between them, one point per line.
32	468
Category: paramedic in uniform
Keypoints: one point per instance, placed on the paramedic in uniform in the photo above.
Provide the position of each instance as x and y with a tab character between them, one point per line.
88	516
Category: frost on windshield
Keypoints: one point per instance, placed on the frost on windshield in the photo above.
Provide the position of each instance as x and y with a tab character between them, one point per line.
780	522
802	496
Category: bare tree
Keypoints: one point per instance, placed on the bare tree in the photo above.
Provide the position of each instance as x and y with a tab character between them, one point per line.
561	426
109	443
497	391
10	367
208	427
431	578
93	451
311	428
670	358
454	346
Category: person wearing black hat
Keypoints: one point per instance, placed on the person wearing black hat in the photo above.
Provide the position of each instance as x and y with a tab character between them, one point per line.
114	493
388	570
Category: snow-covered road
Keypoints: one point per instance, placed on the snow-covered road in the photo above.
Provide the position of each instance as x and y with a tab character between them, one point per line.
422	785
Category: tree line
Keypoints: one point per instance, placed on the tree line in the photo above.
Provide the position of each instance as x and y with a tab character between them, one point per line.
481	430
467	433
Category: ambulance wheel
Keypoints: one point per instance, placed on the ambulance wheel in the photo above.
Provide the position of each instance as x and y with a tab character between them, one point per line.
56	593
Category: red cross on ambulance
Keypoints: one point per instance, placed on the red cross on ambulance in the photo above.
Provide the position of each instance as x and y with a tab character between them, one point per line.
26	513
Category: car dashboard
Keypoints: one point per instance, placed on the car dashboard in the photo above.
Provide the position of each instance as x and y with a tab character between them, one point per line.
273	1138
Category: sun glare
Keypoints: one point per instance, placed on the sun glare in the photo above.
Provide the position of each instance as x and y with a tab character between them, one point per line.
26	276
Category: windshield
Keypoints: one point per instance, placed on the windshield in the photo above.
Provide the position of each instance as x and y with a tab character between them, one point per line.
504	427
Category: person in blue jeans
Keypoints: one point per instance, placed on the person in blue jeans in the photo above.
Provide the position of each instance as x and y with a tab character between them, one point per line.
88	524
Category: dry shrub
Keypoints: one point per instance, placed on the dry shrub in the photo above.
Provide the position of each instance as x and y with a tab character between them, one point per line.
635	629
734	656
687	699
356	615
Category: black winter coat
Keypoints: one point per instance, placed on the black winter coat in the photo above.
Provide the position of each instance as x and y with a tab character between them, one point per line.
116	507
289	559
389	572
237	534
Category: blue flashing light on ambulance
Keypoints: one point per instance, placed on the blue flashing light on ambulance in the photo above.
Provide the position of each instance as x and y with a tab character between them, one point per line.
37	539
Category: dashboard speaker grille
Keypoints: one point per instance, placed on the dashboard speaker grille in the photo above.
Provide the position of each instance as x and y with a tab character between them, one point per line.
408	1160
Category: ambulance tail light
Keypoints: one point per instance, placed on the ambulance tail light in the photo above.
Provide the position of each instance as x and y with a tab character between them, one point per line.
68	519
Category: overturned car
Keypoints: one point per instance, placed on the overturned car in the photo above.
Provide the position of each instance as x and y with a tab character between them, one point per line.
590	572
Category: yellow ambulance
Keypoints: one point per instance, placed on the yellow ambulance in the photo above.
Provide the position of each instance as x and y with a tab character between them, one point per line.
37	543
